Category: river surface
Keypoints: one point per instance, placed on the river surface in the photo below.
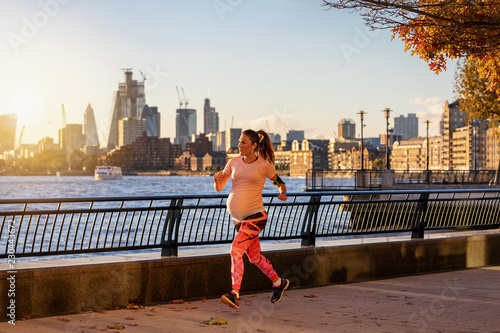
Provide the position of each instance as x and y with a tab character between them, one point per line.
28	187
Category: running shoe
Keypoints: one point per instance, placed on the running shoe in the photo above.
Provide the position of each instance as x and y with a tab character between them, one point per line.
231	299
278	291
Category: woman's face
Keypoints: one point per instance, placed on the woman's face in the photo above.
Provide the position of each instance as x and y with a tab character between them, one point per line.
245	146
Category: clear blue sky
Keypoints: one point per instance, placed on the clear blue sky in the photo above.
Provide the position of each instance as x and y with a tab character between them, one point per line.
289	62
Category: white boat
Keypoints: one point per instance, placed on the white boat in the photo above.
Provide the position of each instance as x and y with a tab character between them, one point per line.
105	172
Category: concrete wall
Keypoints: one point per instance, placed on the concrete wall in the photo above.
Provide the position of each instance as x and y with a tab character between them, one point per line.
72	289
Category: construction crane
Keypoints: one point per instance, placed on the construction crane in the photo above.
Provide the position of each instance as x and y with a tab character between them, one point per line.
63	117
181	102
144	77
186	101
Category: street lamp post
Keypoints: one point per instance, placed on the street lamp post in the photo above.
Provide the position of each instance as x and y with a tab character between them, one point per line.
362	116
387	112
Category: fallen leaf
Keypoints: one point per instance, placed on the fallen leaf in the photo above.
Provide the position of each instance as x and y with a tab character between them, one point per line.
310	296
358	321
150	314
328	312
132	306
203	299
409	303
176	301
129	318
66	320
299	325
192	307
215	321
116	327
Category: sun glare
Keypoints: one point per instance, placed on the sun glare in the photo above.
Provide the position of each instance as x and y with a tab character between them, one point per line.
21	98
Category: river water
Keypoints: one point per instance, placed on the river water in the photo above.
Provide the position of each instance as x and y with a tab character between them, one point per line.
28	187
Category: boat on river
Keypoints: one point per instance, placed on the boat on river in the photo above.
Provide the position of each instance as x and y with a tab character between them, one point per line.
107	172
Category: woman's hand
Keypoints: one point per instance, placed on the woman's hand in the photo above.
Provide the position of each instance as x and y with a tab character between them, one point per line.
218	177
282	196
220	180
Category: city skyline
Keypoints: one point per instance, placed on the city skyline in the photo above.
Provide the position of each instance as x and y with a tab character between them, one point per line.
289	64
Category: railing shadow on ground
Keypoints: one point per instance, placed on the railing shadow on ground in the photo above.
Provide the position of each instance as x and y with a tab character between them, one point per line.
46	227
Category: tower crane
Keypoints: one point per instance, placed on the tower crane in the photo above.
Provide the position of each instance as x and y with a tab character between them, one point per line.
63	117
186	101
144	77
181	102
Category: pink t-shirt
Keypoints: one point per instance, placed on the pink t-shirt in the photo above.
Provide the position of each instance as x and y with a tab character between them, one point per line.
248	183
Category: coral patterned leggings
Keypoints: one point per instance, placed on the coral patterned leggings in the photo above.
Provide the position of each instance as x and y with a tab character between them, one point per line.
247	241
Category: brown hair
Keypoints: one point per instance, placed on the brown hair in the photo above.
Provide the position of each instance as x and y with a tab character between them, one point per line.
265	147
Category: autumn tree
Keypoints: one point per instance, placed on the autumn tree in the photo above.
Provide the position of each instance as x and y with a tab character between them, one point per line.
471	88
439	30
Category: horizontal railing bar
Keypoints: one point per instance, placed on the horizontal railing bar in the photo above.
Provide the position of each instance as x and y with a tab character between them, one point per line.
218	196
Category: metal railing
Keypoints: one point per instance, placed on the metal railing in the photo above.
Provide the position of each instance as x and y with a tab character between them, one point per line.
68	226
324	180
457	177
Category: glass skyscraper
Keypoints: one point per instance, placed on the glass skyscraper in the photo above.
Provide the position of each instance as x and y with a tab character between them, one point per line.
210	118
185	126
90	128
128	102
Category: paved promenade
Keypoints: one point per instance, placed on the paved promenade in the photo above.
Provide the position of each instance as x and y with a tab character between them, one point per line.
453	301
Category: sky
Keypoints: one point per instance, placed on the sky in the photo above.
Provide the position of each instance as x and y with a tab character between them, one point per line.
271	64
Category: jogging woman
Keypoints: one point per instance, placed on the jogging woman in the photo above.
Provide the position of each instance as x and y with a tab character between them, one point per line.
249	172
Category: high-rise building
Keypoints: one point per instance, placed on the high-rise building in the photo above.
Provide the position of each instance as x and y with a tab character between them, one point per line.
71	137
347	129
407	127
232	138
129	129
128	102
210	118
90	128
295	135
157	118
185	126
150	118
221	141
8	124
453	118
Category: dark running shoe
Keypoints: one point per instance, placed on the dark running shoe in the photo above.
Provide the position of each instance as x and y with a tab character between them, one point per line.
278	291
231	299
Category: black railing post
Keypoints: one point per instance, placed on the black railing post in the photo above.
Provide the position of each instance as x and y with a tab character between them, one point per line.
310	220
417	225
169	238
